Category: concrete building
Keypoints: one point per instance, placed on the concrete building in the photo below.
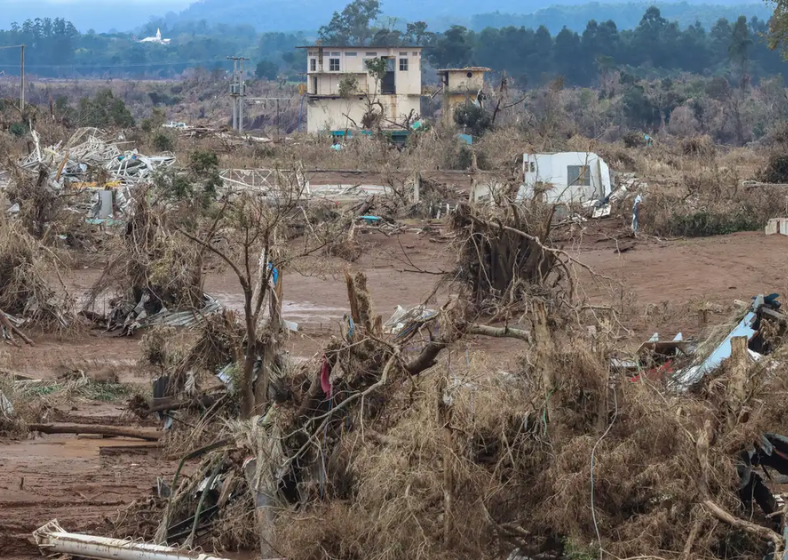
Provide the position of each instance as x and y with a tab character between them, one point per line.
461	85
333	105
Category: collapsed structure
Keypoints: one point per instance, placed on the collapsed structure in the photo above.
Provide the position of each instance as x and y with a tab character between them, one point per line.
90	163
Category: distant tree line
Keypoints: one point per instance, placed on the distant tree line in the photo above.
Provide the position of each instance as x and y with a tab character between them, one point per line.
55	48
656	48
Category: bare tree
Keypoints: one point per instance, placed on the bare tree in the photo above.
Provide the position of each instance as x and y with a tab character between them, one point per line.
248	235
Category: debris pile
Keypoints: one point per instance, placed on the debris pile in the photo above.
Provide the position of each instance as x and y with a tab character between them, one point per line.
97	174
87	155
154	277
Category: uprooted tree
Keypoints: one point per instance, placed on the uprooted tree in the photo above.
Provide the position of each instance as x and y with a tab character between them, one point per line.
385	445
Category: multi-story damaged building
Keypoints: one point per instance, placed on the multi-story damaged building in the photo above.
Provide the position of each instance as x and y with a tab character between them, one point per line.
461	85
343	94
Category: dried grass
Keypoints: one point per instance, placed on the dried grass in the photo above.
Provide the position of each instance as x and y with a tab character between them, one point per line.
711	201
517	449
151	258
26	268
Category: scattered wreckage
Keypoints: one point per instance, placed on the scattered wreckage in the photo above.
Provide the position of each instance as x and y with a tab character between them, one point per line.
665	354
749	341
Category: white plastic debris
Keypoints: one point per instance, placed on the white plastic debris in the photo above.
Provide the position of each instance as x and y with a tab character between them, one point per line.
51	538
402	318
6	408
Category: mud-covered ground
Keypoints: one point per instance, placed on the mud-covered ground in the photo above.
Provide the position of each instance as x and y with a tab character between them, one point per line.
659	286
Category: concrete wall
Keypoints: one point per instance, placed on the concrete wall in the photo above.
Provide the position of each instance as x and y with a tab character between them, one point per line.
324	114
460	82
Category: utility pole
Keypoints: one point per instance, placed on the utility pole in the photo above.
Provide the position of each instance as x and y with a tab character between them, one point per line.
238	92
22	93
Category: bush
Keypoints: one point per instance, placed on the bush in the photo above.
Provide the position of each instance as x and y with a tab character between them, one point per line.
163	99
705	223
104	110
204	167
173	186
18	129
464	159
475	120
163	143
634	140
701	146
776	170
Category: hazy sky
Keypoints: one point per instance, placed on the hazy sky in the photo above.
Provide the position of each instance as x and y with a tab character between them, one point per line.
164	4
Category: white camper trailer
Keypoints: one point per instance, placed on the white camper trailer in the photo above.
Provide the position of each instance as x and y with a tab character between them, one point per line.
566	177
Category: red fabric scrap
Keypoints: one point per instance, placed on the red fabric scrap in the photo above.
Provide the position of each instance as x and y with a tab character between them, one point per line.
325	372
657	373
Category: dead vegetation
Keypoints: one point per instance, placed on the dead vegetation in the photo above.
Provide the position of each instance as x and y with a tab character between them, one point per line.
150	266
384	444
29	287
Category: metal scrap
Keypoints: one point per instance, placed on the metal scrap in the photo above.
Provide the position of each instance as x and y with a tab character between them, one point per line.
87	150
138	317
749	327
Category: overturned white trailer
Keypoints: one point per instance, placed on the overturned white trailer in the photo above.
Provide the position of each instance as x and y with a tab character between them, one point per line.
566	177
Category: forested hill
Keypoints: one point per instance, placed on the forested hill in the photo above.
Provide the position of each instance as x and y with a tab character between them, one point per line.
308	15
288	15
626	16
655	48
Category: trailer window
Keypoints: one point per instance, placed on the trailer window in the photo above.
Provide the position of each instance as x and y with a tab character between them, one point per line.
578	175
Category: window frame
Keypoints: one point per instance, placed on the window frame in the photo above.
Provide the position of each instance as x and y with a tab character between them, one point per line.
313	65
332	62
407	65
583	172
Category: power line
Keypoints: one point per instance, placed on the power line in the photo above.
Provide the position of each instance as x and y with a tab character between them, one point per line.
99	65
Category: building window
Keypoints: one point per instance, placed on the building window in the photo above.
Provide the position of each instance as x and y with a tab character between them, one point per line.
403	54
314	85
415	53
351	54
333	64
372	54
336	53
313	65
403	64
578	175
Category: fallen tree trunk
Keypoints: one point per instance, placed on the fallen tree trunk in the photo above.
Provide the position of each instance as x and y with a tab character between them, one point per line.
172	403
12	330
499	332
117	431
